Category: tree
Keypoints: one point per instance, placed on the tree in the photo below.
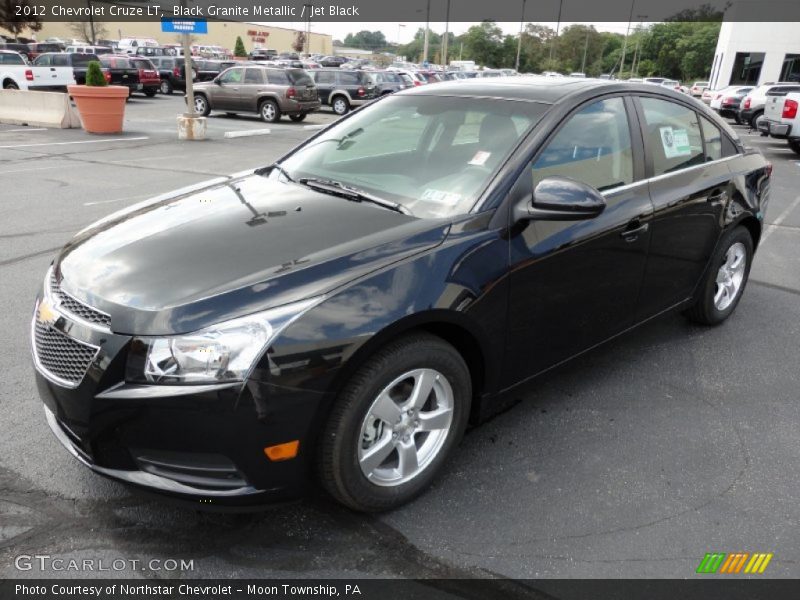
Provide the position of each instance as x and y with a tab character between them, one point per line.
368	40
82	30
299	43
17	24
238	48
484	44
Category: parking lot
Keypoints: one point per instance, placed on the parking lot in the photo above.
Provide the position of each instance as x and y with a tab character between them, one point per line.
632	461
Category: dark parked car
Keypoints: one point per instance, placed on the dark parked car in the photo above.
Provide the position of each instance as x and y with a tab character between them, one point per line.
343	313
332	61
342	89
23	49
208	69
270	92
389	82
262	54
78	62
37	48
172	71
135	72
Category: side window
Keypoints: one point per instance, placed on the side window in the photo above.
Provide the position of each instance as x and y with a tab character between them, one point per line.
672	133
276	77
324	78
60	60
594	147
232	76
712	137
348	78
254	76
42	61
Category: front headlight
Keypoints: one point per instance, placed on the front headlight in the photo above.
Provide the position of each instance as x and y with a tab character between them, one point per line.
221	353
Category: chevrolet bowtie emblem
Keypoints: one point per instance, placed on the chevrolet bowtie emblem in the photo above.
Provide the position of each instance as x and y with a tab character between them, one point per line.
46	313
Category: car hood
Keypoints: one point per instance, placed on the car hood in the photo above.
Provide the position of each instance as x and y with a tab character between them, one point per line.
182	262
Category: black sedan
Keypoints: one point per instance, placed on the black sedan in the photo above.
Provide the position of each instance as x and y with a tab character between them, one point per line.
342	315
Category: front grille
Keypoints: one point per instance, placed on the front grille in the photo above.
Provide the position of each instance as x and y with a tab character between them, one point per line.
75	307
60	355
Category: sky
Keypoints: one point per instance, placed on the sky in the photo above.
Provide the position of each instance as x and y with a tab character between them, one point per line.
404	32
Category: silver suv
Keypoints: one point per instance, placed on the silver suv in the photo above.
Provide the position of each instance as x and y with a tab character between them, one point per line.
269	92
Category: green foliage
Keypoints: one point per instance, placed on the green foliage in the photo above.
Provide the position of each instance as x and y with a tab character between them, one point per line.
299	43
94	75
368	40
238	48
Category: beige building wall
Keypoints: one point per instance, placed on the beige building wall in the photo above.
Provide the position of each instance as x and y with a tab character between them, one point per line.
219	34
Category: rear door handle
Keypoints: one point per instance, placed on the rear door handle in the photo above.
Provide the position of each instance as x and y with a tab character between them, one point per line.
634	230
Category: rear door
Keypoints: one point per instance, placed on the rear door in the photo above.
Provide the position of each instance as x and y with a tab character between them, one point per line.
325	81
690	186
574	284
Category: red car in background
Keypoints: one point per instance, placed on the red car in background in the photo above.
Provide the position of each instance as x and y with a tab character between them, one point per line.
136	73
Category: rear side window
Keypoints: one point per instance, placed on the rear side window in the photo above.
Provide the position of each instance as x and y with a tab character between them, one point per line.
276	77
299	77
324	77
349	78
594	147
254	76
60	60
712	137
672	134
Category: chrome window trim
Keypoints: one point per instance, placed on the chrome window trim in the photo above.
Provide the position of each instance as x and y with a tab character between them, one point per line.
665	175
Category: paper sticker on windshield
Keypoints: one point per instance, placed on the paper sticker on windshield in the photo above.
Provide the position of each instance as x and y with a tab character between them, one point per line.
441	197
675	142
480	158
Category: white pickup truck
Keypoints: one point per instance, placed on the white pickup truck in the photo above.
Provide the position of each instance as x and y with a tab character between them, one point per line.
782	117
17	74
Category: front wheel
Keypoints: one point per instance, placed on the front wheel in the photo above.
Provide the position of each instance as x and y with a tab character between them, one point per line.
340	105
795	146
395	423
269	111
724	283
166	87
201	105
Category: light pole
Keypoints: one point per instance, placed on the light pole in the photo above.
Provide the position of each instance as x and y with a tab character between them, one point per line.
425	41
519	40
625	42
447	35
558	28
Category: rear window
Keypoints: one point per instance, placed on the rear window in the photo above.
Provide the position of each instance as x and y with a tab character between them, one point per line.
79	60
11	59
47	48
142	64
116	63
299	77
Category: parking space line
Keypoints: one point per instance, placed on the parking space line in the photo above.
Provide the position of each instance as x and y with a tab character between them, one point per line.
247	133
781	218
24	129
131	139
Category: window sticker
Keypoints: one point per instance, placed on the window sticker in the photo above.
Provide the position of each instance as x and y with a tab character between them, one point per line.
441	197
675	142
480	158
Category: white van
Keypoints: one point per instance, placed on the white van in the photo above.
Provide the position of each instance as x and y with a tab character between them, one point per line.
129	45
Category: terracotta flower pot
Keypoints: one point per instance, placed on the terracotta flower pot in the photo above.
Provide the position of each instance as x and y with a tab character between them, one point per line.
102	108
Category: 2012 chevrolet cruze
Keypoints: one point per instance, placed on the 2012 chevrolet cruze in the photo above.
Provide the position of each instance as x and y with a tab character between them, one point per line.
342	314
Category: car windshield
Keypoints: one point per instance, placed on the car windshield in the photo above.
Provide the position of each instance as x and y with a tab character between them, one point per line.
431	155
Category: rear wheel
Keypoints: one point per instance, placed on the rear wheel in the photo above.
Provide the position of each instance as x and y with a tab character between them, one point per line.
724	283
150	93
395	423
269	111
340	105
795	146
201	105
754	118
166	87
297	118
10	85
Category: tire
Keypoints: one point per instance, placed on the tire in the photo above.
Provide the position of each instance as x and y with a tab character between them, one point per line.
795	146
166	87
399	368
716	301
10	85
151	93
298	118
269	112
340	105
231	115
201	105
754	118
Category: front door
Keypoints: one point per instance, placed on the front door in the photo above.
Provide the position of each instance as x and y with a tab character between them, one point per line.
227	95
574	284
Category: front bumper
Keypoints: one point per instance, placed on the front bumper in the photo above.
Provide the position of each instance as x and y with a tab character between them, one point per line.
203	444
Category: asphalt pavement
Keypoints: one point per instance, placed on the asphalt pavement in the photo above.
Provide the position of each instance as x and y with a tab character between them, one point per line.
632	461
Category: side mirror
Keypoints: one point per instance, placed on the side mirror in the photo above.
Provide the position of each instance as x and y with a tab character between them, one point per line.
217	80
561	199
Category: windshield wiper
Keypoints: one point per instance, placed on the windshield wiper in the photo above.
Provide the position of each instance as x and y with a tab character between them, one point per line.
339	189
276	167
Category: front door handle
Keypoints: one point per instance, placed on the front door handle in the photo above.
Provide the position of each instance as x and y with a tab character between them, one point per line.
634	230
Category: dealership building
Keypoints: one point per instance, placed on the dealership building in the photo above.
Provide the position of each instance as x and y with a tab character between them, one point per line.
220	33
752	53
